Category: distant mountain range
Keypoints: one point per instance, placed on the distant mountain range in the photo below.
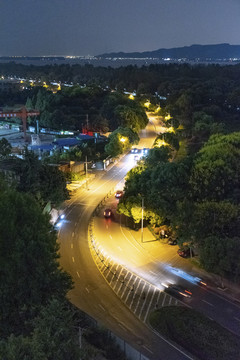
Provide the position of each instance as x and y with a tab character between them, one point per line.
202	52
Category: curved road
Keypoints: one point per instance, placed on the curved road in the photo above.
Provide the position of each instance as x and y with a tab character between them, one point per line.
159	263
91	292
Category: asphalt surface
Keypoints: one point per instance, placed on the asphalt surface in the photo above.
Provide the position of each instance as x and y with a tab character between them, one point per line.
92	292
158	263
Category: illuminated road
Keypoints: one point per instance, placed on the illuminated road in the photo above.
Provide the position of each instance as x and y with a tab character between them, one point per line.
159	263
91	293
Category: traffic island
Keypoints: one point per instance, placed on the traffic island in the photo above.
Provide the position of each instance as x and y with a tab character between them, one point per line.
202	337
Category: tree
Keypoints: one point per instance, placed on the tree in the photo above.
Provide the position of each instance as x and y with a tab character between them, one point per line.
215	174
55	333
45	182
30	272
157	155
52	185
120	141
221	256
41	101
29	104
5	148
54	336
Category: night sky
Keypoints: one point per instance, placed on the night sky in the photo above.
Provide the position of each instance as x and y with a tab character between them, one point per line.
77	27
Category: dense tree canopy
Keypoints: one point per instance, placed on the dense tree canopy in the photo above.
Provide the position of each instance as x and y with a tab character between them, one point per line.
198	197
120	141
45	182
30	272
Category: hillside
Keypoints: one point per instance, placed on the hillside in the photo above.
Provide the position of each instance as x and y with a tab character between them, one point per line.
201	52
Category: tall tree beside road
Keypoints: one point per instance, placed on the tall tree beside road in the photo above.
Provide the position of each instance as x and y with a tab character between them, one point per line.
120	141
52	185
216	171
197	196
46	183
30	272
5	148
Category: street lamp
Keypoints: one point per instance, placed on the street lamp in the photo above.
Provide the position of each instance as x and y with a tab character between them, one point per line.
142	220
123	139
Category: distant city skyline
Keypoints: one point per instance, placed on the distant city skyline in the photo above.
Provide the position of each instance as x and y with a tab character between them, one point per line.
80	28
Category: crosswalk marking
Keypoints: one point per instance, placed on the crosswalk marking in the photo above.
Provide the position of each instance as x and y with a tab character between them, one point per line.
139	295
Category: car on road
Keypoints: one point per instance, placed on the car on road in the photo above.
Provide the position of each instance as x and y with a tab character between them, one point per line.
107	213
185	252
134	151
177	290
118	194
58	224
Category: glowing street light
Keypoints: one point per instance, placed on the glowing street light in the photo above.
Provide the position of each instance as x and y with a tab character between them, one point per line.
147	104
123	139
161	142
171	130
168	117
131	97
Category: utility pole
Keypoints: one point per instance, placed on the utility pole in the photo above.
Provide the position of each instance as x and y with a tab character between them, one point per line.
87	121
86	173
142	220
80	336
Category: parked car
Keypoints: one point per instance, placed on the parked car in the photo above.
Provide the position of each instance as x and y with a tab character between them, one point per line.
107	213
185	252
172	241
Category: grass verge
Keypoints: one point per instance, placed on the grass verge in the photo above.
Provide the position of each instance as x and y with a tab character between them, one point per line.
202	337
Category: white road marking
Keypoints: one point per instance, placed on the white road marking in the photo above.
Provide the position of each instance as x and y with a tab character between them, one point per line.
72	246
119	276
144	302
149	305
73	259
110	236
159	294
78	274
126	288
164	299
101	307
237	319
119	248
207	302
146	348
87	289
114	274
73	234
139	282
152	272
122	326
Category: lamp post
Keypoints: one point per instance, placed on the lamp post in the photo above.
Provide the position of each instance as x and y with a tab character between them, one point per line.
86	172
142	220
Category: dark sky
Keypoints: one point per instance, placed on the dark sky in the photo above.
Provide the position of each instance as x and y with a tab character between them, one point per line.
77	27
